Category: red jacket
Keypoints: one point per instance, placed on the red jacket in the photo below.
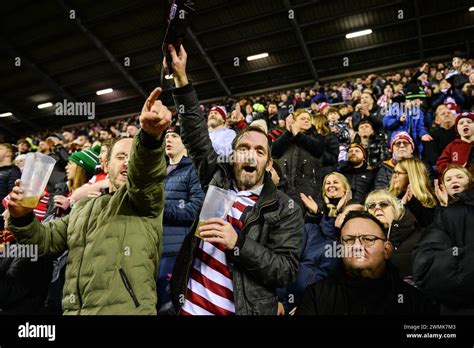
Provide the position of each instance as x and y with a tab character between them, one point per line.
457	152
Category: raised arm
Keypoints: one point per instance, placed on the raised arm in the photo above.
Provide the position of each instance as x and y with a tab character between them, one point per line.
193	124
50	237
147	165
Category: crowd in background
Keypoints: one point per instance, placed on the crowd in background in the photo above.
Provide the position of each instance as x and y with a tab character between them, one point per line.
397	145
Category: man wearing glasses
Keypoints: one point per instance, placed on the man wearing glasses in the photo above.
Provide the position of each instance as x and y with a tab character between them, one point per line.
369	284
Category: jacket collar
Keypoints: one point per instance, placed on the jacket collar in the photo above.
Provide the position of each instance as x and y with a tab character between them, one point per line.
467	197
185	161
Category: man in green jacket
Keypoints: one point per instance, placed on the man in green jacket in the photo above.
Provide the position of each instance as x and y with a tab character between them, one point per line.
114	240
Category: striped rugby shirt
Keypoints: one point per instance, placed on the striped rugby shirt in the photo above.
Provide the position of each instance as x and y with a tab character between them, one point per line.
210	288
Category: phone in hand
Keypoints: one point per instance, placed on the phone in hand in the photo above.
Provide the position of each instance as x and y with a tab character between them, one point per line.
178	19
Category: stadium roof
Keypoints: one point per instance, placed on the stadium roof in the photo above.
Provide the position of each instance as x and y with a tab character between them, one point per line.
71	59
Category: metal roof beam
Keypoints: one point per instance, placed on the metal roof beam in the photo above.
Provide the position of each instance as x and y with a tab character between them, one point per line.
17	114
209	62
12	51
101	47
418	29
302	43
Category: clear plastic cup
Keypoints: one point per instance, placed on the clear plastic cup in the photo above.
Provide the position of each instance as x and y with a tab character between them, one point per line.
217	204
34	178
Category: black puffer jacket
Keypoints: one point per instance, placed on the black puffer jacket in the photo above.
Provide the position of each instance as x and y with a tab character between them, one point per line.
301	159
331	153
361	179
8	176
443	264
24	283
441	138
343	295
384	175
423	215
59	171
270	241
404	235
183	199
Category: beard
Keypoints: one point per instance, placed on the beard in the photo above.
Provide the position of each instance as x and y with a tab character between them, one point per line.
214	123
246	180
355	161
116	179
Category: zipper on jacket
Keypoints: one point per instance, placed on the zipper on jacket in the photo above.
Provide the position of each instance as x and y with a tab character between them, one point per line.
84	239
128	286
188	270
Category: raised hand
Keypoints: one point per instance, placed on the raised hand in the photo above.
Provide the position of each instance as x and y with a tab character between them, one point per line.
61	202
441	193
425	68
408	195
309	203
14	207
342	202
289	122
155	117
426	137
179	60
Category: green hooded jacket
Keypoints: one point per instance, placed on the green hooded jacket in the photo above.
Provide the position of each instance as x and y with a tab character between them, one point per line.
114	241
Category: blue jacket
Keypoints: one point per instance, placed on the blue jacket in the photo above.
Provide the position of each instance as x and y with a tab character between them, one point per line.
183	201
314	264
413	125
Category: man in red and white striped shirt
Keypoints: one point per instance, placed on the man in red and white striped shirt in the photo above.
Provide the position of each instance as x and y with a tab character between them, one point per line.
210	289
238	262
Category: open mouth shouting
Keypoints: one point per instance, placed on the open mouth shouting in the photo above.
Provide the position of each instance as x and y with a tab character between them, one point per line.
456	188
250	168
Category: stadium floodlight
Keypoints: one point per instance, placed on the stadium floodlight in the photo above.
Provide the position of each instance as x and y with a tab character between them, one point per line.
104	91
359	33
257	56
6	114
471	9
45	105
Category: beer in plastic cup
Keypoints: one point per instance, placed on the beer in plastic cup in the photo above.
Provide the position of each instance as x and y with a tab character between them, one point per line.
34	178
217	204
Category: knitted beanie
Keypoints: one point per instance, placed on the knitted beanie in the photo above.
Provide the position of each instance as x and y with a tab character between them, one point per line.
86	159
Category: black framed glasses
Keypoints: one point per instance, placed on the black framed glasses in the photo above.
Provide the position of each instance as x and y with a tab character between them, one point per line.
364	239
373	205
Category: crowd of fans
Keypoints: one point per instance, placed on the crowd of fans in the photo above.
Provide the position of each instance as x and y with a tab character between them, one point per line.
370	181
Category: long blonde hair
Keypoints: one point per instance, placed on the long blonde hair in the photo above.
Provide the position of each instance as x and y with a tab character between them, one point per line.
332	209
321	123
80	178
419	182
